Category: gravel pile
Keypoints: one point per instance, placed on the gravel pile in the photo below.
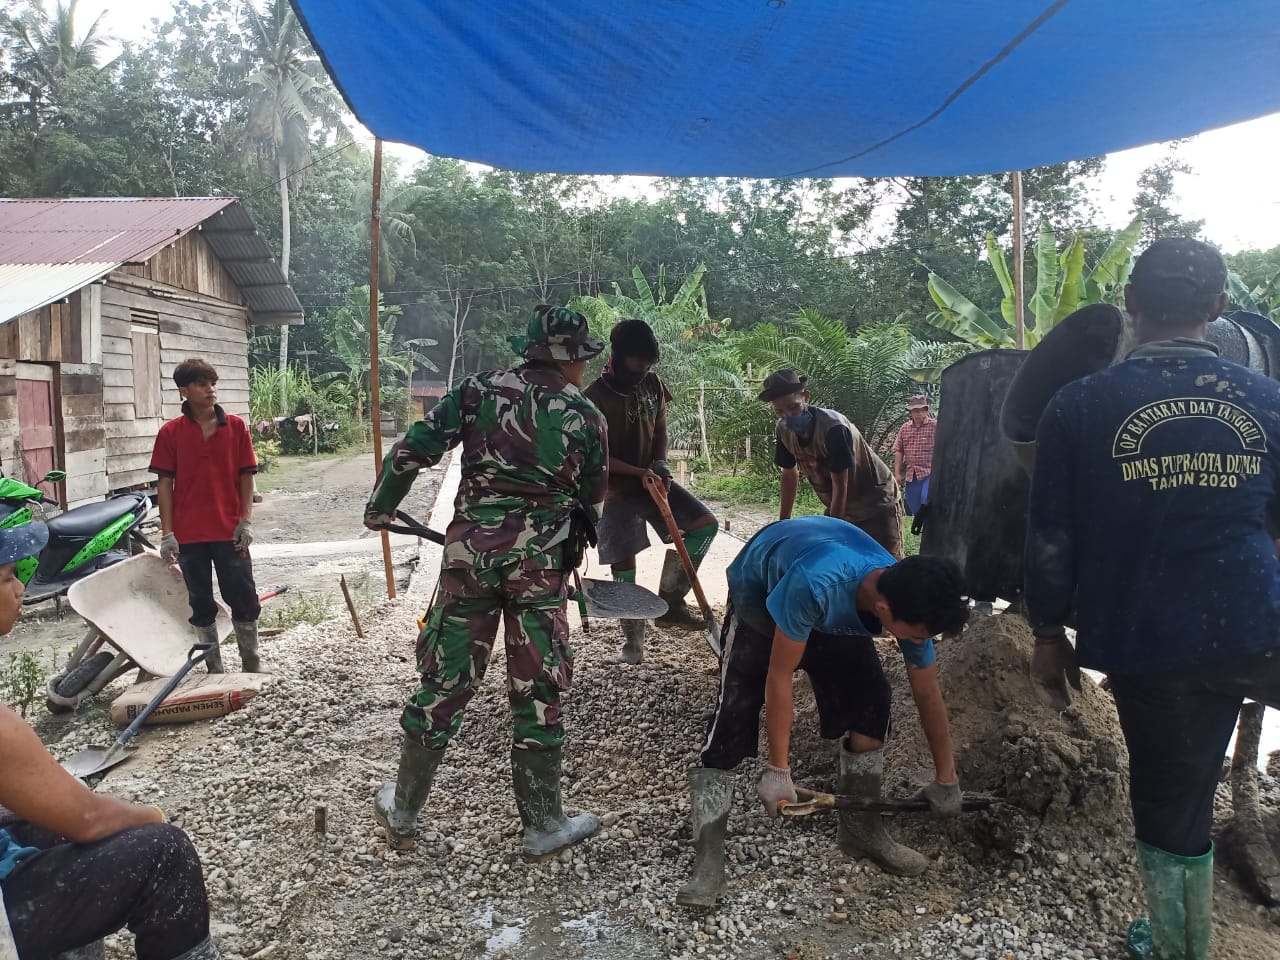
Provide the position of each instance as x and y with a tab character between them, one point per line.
1049	875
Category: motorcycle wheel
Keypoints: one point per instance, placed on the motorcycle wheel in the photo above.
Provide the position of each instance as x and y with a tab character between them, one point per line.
77	678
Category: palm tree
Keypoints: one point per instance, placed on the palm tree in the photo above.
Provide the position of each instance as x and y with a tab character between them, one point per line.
44	54
396	240
290	95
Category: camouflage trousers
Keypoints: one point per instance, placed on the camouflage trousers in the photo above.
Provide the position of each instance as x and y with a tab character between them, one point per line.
457	640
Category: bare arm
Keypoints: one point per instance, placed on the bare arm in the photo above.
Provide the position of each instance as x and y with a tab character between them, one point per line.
784	659
790	483
38	790
164	499
933	720
897	465
620	468
660	440
839	493
246	496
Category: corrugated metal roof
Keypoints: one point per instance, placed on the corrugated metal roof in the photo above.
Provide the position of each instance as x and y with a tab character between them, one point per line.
50	244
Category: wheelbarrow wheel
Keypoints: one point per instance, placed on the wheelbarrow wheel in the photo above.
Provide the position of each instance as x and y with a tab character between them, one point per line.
77	678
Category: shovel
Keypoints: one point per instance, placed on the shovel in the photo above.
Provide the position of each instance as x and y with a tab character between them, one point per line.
814	801
658	490
97	759
605	599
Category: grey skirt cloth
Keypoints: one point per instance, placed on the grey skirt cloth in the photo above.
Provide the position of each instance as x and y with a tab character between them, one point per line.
622	530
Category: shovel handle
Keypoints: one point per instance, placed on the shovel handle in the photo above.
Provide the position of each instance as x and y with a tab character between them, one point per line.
658	491
815	801
195	655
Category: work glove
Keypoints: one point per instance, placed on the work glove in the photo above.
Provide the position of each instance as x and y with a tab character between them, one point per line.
775	786
663	471
1053	666
944	798
169	548
243	535
374	518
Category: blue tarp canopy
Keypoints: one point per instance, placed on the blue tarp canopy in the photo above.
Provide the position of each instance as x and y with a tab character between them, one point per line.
780	88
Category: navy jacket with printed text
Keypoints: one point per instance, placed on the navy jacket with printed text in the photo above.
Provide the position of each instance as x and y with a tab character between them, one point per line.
1153	505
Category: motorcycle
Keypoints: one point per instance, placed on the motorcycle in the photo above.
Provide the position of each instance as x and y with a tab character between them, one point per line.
81	541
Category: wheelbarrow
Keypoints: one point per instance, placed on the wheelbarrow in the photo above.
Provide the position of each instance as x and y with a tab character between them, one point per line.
137	611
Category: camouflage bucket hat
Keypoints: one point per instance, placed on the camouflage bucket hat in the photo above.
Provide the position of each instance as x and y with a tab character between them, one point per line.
557	333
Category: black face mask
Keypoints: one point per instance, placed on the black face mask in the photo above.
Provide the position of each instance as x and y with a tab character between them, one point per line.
625	379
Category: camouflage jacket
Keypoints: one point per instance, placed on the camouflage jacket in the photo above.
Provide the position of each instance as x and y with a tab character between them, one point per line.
533	449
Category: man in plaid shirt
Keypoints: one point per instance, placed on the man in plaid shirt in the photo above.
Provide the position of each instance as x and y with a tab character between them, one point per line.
913	450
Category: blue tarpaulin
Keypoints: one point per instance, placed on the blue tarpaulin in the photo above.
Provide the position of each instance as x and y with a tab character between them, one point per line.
779	88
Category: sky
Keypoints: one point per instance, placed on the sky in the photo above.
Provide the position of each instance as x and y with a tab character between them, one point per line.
1233	185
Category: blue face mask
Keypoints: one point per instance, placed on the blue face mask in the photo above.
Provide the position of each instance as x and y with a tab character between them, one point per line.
799	423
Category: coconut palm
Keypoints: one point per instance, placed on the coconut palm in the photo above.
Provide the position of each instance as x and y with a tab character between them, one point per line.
290	96
44	53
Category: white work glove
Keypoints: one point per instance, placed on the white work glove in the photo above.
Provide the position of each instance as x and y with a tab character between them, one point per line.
243	535
169	548
944	798
775	786
1053	666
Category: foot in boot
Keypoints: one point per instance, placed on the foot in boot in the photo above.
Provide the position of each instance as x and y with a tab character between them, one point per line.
247	641
710	796
864	834
680	614
401	827
632	643
535	775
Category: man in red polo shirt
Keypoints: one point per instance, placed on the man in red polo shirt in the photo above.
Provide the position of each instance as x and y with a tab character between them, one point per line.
206	464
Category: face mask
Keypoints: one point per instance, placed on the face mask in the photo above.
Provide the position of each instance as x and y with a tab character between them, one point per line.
799	423
625	379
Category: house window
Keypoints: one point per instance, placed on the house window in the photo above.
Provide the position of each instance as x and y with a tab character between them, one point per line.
144	330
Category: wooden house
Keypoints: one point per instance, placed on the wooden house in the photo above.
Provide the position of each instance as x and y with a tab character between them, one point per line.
99	300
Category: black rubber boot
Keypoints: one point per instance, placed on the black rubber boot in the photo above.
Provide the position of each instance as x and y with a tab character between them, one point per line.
864	834
209	634
710	796
204	950
535	775
247	641
673	586
397	804
90	951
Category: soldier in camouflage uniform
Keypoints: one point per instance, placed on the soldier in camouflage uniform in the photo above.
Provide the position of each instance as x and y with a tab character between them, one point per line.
534	456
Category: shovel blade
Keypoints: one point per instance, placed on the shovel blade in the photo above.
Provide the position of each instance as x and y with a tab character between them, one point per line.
95	760
612	600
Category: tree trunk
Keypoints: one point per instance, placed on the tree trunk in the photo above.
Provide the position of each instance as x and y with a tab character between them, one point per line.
1248	847
284	269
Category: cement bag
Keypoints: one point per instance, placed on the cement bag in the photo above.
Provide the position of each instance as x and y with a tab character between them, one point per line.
198	697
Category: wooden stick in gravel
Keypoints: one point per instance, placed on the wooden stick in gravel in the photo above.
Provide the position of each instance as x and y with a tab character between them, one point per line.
351	607
1248	846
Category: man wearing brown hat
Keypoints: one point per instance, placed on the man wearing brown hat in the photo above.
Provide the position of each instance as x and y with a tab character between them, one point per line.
534	466
852	482
913	453
1151	521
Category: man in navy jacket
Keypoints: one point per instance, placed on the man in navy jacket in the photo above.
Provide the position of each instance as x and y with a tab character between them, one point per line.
1153	509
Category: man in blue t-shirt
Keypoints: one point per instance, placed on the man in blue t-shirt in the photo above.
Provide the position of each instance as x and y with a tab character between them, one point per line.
810	594
1152	517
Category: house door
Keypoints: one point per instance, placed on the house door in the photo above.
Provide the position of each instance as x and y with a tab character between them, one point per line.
36	434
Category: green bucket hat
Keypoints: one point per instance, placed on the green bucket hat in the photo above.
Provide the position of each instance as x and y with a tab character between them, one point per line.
557	333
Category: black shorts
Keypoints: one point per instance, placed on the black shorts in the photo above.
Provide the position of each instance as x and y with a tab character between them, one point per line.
621	530
844	670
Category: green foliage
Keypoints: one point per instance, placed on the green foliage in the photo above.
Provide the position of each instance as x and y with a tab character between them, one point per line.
757	487
1061	287
312	608
23	680
267	451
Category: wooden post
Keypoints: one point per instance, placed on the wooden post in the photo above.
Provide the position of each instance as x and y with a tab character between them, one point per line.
1019	308
748	435
375	385
351	607
702	421
315	427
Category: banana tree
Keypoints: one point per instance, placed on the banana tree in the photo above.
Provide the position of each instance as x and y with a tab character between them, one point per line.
1264	299
1062	287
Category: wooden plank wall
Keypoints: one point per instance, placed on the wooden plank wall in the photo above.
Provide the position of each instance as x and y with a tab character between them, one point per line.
9	460
83	433
52	334
189	264
190	325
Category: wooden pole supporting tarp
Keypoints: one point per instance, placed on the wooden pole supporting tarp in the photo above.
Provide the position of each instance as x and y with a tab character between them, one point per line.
375	386
1019	307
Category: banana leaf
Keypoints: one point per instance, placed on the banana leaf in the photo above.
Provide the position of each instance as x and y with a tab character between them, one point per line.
1001	269
1112	269
961	318
1242	296
1044	302
1072	264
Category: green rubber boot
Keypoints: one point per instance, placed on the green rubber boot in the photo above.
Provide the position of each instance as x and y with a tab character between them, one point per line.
397	804
673	587
535	775
1179	906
